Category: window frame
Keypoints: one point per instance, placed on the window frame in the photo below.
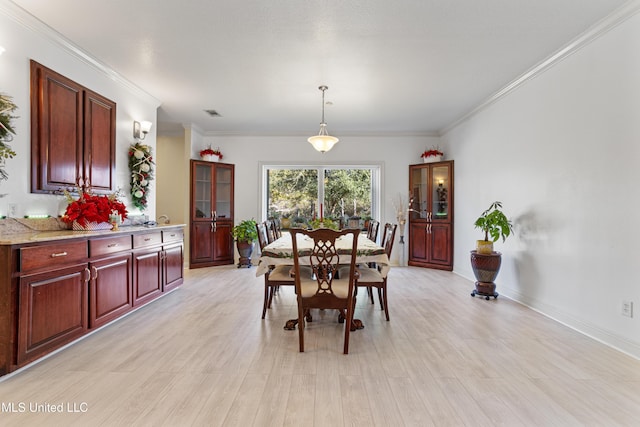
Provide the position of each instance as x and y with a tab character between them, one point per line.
377	172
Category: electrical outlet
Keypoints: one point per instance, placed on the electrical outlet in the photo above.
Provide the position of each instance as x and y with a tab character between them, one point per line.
12	210
627	308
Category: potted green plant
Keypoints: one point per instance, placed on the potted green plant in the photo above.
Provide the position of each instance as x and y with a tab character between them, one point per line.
245	233
495	224
486	262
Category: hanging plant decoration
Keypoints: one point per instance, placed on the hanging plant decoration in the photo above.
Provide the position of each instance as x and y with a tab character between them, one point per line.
6	132
141	167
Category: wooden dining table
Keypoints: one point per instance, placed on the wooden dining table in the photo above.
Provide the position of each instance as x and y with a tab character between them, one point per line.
280	252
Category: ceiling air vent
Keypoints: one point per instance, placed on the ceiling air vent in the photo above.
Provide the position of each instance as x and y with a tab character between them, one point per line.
212	113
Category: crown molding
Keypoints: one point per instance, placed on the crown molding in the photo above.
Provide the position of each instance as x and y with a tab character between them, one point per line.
597	30
367	134
30	22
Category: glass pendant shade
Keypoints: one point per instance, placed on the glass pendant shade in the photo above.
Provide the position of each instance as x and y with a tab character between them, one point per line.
323	142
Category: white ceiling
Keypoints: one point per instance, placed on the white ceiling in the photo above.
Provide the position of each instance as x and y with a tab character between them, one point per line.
392	67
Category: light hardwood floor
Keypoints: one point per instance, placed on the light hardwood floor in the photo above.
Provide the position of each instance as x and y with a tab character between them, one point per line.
202	356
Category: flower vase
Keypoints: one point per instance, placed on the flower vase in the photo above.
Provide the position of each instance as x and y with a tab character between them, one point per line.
210	158
91	226
432	159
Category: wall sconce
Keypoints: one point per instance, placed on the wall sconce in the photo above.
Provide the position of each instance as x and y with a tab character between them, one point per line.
141	129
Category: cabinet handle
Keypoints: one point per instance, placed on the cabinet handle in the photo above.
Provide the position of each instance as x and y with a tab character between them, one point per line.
88	274
59	254
95	272
112	245
147	239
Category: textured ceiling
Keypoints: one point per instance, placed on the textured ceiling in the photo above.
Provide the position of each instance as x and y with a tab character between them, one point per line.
392	67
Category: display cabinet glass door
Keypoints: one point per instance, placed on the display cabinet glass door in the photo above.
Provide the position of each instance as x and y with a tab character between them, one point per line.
223	193
440	182
203	193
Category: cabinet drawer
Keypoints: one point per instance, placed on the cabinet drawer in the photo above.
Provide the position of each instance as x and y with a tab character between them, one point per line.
110	245
52	256
172	236
148	239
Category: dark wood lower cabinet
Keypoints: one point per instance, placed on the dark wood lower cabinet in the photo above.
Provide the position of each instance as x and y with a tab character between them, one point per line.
147	283
173	261
53	310
430	245
211	246
52	293
110	289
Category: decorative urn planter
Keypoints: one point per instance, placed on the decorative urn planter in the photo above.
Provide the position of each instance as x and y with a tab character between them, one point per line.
245	249
486	268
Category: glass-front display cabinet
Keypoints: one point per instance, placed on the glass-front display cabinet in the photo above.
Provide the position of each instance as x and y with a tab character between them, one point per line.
212	198
431	215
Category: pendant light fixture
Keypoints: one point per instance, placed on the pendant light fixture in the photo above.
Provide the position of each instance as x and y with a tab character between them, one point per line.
323	142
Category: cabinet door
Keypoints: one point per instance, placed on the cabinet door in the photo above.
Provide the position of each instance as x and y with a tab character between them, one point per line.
110	289
440	191
147	281
99	141
173	267
53	310
419	192
418	250
56	130
223	243
440	244
223	207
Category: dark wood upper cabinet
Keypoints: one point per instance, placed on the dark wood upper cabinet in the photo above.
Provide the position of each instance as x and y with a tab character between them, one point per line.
72	135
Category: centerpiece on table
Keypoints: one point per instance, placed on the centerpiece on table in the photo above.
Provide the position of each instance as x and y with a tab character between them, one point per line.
211	155
94	212
432	155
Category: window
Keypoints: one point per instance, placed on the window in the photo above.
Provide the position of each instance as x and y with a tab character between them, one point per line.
297	194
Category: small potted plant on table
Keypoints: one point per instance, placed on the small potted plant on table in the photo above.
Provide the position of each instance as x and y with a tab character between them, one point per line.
245	234
485	262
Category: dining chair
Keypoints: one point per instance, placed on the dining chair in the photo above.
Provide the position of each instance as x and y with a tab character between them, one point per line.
276	276
372	230
324	289
276	228
370	277
271	235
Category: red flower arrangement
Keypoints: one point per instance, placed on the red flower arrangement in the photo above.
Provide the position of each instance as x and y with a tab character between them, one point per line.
433	152
91	208
211	152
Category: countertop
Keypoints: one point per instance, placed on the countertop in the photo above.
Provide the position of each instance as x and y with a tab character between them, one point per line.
30	236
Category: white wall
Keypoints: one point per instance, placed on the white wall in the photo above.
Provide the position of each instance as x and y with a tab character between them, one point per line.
561	152
25	38
395	153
